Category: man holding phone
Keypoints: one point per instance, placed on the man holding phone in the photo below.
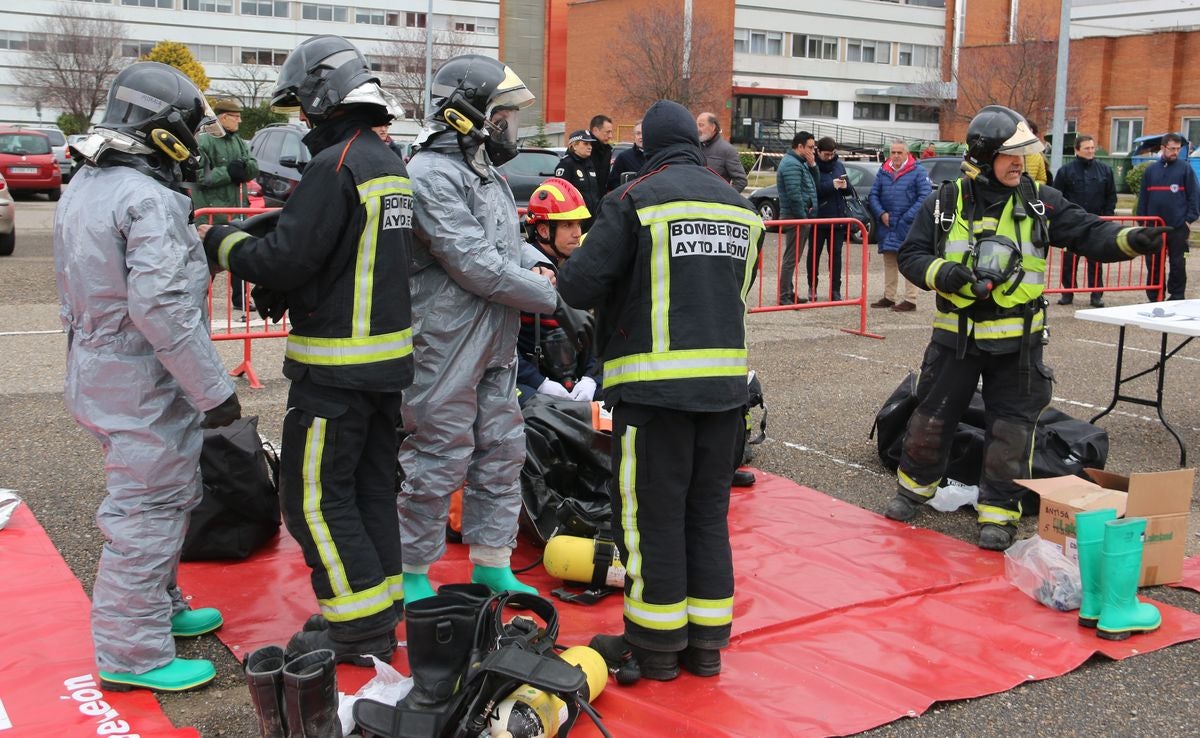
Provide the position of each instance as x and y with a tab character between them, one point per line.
831	190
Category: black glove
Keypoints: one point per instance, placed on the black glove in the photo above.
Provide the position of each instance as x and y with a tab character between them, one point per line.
237	171
952	277
223	414
1147	240
271	304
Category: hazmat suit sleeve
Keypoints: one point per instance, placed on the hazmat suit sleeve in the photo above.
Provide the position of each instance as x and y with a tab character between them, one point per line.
158	246
459	243
603	258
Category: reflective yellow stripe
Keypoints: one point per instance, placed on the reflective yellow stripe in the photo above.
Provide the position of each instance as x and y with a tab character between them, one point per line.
395	585
657	617
710	612
1123	242
999	515
924	490
699	211
314	519
684	364
380	186
349	351
364	270
227	245
660	287
357	605
627	487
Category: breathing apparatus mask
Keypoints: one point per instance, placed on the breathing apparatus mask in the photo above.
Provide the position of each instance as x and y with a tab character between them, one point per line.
995	260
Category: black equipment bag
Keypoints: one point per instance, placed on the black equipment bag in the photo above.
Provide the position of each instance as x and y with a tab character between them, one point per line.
856	209
240	508
564	482
1062	445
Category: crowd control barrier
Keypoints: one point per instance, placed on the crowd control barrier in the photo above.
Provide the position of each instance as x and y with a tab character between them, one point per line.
230	324
1118	276
809	234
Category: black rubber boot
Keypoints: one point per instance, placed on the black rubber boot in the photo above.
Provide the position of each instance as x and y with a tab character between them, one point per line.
996	537
310	696
441	630
902	508
469	592
743	478
357	652
661	666
703	662
318	622
264	676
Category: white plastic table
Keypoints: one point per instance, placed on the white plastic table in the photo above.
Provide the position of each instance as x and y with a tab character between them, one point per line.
1179	317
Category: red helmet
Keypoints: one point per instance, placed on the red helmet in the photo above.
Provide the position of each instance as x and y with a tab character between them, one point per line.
555	199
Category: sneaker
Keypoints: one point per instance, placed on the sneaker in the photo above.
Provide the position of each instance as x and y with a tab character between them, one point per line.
1066	299
996	537
883	303
902	508
787	300
344	652
703	662
904	307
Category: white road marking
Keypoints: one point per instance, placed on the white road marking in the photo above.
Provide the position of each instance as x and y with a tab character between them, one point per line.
32	333
834	459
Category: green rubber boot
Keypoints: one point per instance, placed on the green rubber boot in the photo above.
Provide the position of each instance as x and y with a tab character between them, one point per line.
1089	532
1123	614
178	676
416	587
192	623
499	579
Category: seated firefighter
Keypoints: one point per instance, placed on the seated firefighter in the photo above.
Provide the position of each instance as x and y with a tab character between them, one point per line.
554	355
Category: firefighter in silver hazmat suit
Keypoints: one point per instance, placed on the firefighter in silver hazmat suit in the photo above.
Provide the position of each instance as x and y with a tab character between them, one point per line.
142	374
471	277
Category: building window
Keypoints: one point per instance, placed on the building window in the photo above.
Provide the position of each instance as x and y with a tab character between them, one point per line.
814	47
386	64
465	26
414	20
741	40
136	49
818	108
168	4
861	50
210	53
14	40
915	55
1124	130
1191	131
871	111
373	17
263	57
312	11
769	43
916	114
269	8
209	6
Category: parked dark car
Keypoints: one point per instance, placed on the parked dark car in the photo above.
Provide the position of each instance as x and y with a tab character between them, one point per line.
529	169
860	173
281	159
942	168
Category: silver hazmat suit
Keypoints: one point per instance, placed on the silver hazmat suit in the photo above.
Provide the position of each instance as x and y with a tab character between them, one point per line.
141	369
470	281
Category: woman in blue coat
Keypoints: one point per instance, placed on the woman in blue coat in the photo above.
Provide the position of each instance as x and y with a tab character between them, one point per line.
900	188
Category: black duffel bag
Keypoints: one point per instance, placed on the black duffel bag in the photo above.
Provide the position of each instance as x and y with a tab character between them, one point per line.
1062	445
240	508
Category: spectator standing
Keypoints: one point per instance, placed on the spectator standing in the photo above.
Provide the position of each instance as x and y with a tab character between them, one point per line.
601	128
576	167
382	132
899	189
338	258
142	374
629	161
226	165
1170	191
722	158
991	329
1089	184
796	179
472	277
1035	163
831	191
668	265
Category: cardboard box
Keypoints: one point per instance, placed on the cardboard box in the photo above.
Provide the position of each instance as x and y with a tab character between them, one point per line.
1163	498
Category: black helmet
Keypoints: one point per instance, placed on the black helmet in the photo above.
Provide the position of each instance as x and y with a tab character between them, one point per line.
467	89
160	107
996	130
318	76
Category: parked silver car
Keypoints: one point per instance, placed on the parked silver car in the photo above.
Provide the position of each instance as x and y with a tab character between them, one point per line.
8	227
58	144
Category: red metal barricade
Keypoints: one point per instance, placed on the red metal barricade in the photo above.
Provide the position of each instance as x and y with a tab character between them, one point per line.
809	233
1118	276
246	327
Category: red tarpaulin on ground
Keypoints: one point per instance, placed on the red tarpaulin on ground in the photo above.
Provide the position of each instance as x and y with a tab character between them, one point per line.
48	682
844	621
1191	574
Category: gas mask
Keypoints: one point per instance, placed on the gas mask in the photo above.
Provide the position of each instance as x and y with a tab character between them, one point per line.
995	260
501	128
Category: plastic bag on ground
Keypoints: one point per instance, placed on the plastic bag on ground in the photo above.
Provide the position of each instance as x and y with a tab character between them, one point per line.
953	496
387	686
1038	568
8	505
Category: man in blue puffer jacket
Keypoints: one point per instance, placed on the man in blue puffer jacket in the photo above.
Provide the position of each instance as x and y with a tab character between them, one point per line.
900	188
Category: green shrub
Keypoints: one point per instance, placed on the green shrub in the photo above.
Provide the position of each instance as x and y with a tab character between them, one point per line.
259	116
1133	178
748	158
72	124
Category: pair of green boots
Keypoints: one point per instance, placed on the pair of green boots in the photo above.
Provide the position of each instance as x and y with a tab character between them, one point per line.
1110	564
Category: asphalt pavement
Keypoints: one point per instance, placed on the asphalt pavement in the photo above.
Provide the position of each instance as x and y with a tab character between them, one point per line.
823	387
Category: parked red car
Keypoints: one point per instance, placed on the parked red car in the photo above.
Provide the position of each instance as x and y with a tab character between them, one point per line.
27	163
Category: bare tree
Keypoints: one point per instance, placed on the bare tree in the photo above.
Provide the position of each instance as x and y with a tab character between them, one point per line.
249	85
401	62
648	61
73	56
